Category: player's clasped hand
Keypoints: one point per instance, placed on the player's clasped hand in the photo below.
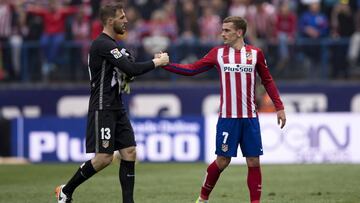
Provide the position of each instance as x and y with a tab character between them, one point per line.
157	55
161	59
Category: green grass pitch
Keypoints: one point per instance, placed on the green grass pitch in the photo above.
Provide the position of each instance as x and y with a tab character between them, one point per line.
180	183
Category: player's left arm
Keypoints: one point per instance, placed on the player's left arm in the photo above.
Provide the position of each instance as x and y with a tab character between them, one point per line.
202	65
118	58
270	87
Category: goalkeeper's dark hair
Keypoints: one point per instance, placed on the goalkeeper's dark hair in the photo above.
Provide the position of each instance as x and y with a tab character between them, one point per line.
239	23
109	11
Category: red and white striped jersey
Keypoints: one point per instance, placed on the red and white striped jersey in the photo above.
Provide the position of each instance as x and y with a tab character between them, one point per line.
237	71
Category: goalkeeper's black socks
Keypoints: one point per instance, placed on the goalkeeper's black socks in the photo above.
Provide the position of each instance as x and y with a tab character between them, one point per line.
85	171
127	180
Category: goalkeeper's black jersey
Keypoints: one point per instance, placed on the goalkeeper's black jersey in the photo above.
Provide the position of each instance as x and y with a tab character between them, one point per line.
107	65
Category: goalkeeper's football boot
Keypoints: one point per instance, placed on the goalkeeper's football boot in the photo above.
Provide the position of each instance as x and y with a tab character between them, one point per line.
61	197
199	200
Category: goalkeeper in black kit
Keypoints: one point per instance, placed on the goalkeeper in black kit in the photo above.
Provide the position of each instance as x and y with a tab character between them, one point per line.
108	127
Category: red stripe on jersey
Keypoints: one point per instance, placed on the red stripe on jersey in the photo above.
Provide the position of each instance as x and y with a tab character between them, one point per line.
238	84
227	83
228	95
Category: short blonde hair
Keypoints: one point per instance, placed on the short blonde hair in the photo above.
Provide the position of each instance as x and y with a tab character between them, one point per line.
239	22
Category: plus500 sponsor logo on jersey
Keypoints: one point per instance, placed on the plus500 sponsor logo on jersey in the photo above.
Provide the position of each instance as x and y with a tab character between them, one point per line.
243	68
169	140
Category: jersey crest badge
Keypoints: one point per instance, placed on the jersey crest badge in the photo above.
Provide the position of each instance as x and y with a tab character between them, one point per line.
105	143
224	147
116	53
248	56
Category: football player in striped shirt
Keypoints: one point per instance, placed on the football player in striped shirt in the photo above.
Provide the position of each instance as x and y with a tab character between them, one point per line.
237	64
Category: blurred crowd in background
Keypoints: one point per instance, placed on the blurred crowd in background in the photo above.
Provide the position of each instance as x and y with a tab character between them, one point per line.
48	40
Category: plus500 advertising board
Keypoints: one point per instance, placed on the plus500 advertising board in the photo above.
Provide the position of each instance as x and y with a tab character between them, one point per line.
306	138
63	140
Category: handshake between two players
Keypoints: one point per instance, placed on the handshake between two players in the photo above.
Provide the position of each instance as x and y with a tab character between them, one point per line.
161	59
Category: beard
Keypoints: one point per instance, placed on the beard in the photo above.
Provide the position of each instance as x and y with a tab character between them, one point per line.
119	28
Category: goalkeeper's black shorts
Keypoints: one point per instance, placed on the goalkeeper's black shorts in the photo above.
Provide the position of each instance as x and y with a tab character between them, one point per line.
108	131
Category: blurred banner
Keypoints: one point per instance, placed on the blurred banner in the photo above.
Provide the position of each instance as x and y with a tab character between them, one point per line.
171	101
52	139
307	138
49	139
163	140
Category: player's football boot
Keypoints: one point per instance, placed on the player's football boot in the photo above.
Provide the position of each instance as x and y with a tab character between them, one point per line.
61	197
199	200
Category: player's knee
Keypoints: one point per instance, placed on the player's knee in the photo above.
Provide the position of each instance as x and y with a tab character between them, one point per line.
128	154
222	162
103	160
253	161
108	160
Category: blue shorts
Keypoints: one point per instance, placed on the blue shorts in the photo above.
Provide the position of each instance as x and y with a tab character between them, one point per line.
230	132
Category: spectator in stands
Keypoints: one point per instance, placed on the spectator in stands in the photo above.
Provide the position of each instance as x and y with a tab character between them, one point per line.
313	23
342	20
187	15
54	17
239	8
133	27
95	7
6	28
80	32
285	31
147	7
193	21
221	8
16	39
354	45
313	26
261	17
32	29
158	32
80	29
95	28
342	23
95	24
327	6
210	26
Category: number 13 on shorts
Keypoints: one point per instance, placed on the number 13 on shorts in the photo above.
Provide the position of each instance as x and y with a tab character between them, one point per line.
105	133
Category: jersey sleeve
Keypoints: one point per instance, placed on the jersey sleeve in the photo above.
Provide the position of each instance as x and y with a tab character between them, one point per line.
268	81
110	51
202	65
